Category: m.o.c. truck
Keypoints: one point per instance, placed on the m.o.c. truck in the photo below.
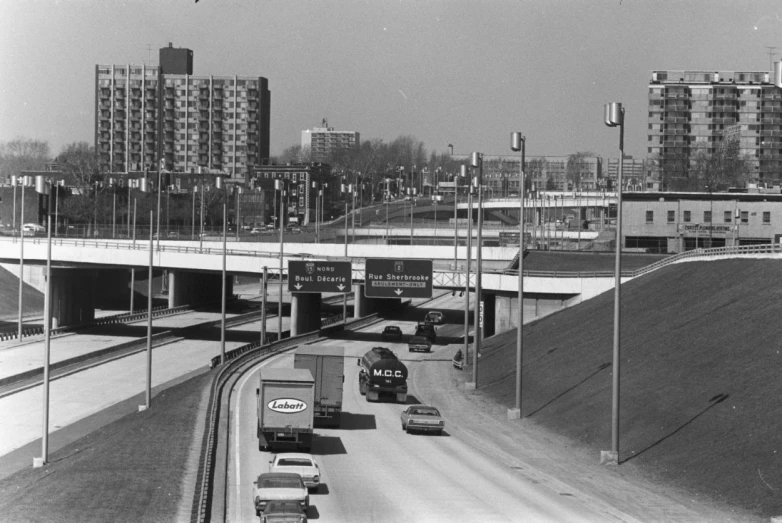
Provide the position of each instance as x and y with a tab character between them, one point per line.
327	365
286	400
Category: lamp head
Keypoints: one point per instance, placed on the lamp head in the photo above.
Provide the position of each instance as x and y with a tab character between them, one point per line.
476	159
515	141
614	114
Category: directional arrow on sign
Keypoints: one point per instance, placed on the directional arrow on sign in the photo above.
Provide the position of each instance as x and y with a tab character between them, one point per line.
398	292
340	287
298	286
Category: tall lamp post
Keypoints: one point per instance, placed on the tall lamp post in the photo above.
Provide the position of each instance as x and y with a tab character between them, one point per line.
476	162
346	192
518	143
279	185
614	117
25	181
468	266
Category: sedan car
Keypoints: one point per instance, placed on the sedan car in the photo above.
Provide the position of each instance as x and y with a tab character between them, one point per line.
283	512
422	418
392	333
428	330
279	486
418	343
435	317
300	463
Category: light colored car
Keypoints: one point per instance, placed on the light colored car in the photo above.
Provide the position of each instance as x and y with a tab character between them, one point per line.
257	230
279	486
422	418
33	228
435	317
299	463
283	512
418	343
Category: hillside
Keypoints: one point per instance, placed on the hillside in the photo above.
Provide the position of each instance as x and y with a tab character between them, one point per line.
700	378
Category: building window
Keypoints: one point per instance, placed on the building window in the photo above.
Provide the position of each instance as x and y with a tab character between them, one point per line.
671	216
727	217
766	217
649	216
706	216
687	217
744	216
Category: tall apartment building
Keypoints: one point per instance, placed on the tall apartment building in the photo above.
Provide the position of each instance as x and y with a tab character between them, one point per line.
324	141
150	117
699	110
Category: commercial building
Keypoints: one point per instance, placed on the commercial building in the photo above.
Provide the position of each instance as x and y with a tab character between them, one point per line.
150	117
325	141
670	222
692	111
501	173
302	183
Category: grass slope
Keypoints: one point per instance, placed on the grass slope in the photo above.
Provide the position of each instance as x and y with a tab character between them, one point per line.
700	378
130	470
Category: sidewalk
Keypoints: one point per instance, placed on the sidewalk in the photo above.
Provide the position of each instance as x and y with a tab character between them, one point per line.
621	492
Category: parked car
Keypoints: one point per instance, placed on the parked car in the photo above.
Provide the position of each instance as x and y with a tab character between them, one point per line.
422	418
300	463
435	317
418	343
257	230
32	228
391	333
427	330
279	486
283	512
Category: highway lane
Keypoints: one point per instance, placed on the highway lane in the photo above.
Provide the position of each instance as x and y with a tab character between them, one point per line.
373	471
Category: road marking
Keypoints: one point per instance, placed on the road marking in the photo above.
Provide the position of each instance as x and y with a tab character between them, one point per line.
237	439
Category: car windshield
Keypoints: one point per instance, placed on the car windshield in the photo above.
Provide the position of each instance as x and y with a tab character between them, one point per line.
392	329
280	483
294	462
425	412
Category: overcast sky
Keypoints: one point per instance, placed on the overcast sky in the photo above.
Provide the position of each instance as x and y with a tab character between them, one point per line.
465	72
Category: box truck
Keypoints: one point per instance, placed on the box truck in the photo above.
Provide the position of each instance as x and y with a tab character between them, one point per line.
327	365
286	399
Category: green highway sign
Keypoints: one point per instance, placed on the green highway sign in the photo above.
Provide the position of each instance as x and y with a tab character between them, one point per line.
319	276
394	278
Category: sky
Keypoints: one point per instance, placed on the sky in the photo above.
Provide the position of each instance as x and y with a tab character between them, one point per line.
461	72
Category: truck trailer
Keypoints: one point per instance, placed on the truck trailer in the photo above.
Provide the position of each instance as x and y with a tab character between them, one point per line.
286	400
327	365
382	374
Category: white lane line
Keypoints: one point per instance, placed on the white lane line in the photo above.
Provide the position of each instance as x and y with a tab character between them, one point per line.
237	442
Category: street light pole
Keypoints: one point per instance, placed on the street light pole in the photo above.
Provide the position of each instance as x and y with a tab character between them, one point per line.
614	117
279	185
518	143
346	190
476	161
223	296
456	214
468	268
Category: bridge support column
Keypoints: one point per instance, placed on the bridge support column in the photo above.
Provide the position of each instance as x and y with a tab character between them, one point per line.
489	315
111	289
73	296
363	306
360	302
185	288
305	312
506	312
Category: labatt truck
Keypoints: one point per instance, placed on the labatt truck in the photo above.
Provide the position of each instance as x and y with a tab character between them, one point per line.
286	399
382	374
327	365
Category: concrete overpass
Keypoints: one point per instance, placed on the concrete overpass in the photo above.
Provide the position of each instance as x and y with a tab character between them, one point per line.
84	270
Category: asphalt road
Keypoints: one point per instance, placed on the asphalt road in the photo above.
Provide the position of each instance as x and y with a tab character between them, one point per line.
372	470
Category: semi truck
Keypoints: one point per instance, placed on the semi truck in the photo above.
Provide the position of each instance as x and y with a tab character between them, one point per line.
382	374
327	365
286	399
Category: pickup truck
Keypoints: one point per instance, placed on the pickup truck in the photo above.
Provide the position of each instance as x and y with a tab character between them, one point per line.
427	330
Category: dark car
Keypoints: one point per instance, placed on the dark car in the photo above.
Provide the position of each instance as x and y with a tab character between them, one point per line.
427	330
418	343
392	333
283	512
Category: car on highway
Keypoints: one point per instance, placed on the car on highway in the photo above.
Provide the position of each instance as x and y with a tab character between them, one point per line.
391	333
283	512
279	486
422	418
299	463
435	317
419	343
257	230
427	330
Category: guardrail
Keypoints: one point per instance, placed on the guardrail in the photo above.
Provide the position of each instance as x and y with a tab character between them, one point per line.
236	360
124	317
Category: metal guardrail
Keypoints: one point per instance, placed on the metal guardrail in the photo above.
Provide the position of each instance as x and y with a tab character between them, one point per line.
236	359
124	317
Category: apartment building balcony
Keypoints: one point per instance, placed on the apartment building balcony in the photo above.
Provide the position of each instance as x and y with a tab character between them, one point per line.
119	92
771	119
169	115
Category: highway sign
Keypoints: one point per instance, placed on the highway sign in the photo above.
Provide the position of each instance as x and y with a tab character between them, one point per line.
393	278
319	276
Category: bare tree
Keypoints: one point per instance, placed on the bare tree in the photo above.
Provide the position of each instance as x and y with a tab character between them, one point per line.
80	162
23	154
577	167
